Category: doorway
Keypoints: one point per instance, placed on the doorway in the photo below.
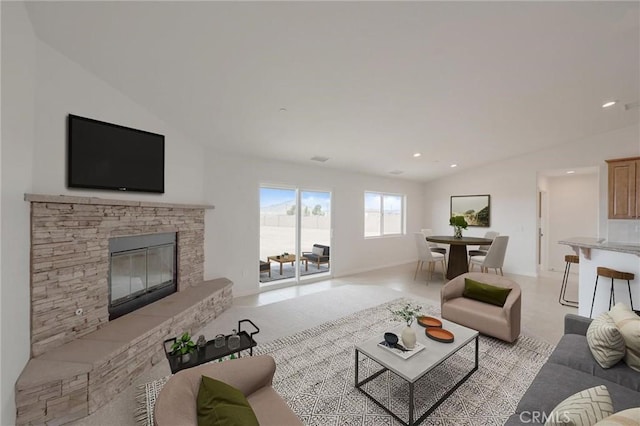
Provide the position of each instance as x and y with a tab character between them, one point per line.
567	207
295	234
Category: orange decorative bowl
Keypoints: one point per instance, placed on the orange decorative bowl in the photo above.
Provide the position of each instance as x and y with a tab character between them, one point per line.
429	321
439	334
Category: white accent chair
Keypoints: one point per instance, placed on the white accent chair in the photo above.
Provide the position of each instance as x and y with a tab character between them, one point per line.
494	257
434	247
426	255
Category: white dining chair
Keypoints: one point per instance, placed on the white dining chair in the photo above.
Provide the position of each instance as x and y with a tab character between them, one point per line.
426	255
482	250
494	257
434	247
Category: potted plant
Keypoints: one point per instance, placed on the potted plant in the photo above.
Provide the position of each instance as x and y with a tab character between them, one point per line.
407	314
458	224
183	347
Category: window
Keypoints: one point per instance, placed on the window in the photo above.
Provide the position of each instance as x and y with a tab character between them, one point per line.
383	214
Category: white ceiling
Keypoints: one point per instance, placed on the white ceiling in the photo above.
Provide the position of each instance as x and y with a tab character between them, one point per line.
366	84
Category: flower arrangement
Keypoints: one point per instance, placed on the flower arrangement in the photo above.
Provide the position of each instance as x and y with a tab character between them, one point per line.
407	313
458	223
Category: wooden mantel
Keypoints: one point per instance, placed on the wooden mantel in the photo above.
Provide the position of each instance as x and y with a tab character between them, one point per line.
72	199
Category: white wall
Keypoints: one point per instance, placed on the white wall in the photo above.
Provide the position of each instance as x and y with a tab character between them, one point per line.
40	87
18	92
573	212
63	88
512	186
233	228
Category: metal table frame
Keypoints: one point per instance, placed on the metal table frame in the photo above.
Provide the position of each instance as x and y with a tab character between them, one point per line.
210	352
359	384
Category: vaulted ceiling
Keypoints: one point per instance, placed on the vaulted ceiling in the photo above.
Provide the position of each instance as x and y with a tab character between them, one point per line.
366	84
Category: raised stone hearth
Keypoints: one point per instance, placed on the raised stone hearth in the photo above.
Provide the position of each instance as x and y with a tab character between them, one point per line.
75	379
80	360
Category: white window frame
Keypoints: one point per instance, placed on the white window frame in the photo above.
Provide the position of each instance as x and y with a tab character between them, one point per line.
403	214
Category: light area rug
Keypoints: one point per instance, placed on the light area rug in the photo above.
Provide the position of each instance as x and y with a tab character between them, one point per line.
315	375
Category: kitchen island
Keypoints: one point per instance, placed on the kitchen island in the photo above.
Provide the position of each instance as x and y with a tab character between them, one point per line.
596	252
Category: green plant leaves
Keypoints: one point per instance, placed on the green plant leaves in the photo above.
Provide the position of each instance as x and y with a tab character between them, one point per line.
407	313
458	221
183	345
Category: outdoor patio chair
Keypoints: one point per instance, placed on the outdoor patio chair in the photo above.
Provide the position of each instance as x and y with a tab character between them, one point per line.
265	267
319	254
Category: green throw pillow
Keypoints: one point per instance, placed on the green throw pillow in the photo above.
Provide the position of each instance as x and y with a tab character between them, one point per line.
485	292
219	404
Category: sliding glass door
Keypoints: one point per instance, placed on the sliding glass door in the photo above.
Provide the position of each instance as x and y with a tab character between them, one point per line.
315	231
295	233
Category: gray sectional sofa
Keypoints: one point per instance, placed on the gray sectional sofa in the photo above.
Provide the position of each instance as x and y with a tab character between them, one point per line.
570	369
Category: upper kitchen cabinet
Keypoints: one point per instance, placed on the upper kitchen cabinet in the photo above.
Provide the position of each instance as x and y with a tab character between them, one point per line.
624	188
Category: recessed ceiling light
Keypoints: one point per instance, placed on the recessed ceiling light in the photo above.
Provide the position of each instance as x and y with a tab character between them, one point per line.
417	154
570	172
453	165
283	110
609	104
396	172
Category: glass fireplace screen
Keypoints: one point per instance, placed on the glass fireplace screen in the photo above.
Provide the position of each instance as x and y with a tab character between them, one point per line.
140	267
138	271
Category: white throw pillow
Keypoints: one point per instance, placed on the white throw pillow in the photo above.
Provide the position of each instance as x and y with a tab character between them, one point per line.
584	408
605	341
629	325
622	418
317	251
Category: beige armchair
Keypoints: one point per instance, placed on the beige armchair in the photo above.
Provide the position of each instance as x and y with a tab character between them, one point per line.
500	322
176	403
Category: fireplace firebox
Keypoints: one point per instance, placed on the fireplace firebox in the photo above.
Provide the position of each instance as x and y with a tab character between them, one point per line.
142	269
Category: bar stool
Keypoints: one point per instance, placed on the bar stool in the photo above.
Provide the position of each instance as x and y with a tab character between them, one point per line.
614	275
569	259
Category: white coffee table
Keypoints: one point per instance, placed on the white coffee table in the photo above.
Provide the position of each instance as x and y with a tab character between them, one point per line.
412	369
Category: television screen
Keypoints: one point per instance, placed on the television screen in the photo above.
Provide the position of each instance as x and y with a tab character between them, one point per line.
107	156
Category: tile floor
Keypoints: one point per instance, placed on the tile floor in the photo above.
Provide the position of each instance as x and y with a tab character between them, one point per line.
542	315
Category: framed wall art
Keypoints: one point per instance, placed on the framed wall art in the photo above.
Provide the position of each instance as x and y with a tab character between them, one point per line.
476	209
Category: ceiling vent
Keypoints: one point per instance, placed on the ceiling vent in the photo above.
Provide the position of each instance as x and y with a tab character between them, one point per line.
396	172
319	158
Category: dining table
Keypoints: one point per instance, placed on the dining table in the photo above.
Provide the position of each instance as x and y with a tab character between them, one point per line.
458	262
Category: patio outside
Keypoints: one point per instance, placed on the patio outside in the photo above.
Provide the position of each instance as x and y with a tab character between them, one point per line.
278	226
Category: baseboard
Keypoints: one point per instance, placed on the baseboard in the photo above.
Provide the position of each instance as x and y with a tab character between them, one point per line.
276	285
362	270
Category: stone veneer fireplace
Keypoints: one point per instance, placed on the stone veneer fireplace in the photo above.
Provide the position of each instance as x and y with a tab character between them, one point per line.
80	359
70	258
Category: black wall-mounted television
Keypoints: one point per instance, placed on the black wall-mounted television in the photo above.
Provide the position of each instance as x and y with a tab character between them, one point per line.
108	156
